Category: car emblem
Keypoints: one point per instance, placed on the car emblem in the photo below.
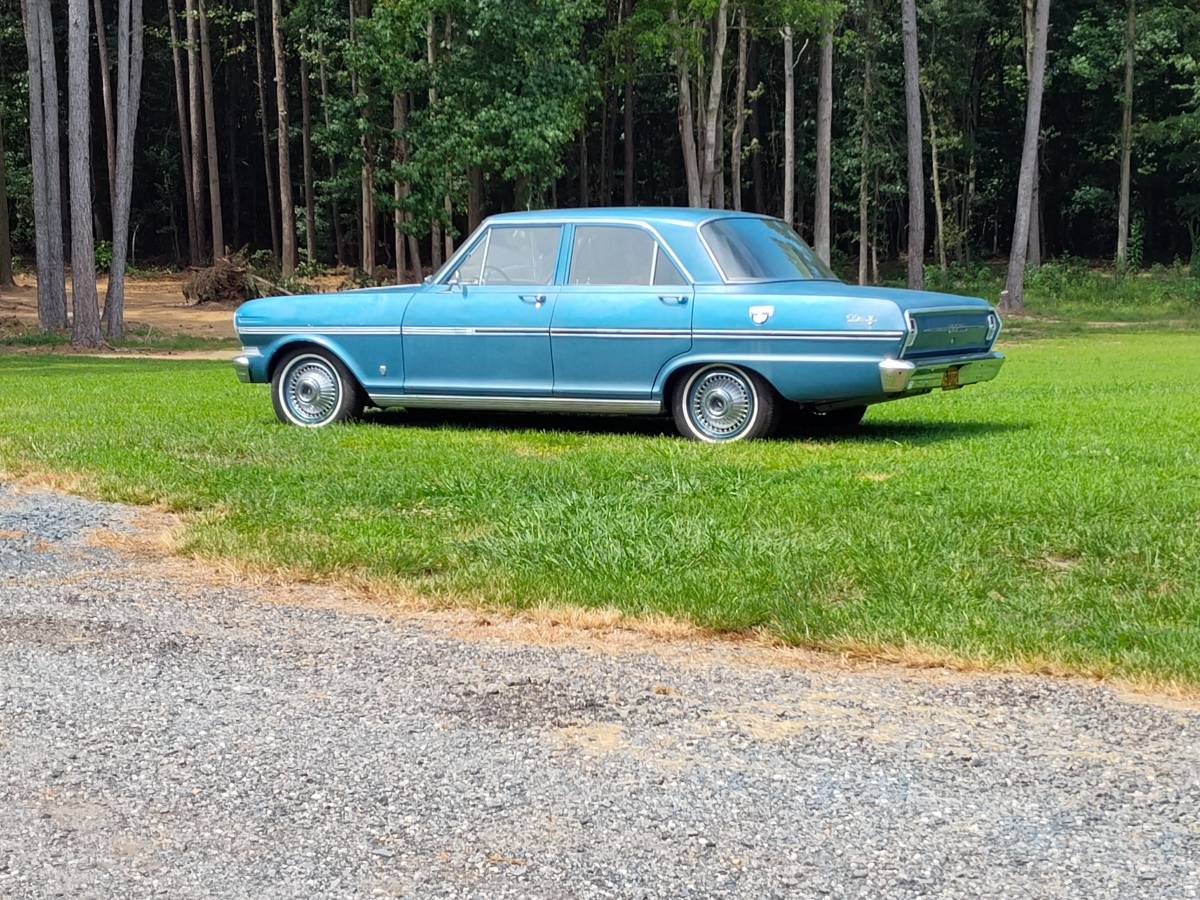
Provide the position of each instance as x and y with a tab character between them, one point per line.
760	314
956	329
856	319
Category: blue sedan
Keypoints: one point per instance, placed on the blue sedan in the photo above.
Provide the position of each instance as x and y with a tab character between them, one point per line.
725	320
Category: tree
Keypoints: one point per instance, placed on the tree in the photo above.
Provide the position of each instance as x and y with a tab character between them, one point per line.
210	138
868	96
195	116
6	267
310	205
789	128
1126	135
739	110
110	139
1035	217
1013	298
86	313
824	143
916	172
44	160
286	209
185	155
264	129
130	36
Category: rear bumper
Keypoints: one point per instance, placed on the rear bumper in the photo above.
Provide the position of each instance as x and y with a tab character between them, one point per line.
898	376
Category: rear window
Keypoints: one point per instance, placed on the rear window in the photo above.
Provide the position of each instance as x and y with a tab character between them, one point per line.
754	249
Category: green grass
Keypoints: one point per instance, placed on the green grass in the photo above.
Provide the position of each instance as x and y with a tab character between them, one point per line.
1048	519
1070	291
139	338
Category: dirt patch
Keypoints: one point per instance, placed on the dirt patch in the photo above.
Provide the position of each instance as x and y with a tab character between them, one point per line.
156	302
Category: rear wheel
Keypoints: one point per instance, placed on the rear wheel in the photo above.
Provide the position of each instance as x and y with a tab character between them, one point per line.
722	403
313	388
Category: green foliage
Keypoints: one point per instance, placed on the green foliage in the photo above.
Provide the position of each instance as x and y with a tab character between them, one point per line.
910	534
103	254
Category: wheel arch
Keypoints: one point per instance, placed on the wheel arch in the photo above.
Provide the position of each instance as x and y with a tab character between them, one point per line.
679	369
290	345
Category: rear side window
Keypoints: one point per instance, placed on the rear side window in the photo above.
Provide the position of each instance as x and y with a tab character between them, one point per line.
507	255
665	272
612	254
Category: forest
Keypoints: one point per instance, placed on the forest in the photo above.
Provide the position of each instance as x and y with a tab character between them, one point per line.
895	135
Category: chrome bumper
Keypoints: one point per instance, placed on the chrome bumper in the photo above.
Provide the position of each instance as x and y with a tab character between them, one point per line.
241	363
900	375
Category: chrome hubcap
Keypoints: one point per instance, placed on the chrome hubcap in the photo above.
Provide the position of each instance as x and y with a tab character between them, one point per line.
311	391
721	404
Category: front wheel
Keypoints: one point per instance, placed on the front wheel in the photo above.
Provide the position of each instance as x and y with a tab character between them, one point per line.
721	403
312	388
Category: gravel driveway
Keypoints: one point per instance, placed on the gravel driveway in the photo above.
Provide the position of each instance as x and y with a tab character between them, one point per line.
161	734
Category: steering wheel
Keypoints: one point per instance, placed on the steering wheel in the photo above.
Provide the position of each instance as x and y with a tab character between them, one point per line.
491	272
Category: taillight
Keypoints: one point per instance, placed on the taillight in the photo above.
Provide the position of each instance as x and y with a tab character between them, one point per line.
993	328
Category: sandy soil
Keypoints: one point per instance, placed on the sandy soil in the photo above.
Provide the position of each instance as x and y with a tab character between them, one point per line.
155	301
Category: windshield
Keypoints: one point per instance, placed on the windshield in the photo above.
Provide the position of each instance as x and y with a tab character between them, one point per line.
753	249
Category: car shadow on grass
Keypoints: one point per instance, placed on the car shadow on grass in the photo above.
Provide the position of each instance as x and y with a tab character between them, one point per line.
662	426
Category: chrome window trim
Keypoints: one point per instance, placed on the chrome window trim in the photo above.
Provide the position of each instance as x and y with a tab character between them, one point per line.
712	257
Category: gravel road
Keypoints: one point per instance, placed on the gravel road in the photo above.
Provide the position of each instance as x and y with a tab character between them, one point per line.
162	733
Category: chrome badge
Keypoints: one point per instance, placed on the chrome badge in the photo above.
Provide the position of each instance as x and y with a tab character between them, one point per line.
760	314
856	319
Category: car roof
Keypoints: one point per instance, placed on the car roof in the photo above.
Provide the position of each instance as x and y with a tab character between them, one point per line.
651	215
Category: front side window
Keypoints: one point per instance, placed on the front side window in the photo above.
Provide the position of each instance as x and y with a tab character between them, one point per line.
754	249
612	254
511	255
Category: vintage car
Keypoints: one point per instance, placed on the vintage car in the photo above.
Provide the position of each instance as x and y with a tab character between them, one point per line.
725	320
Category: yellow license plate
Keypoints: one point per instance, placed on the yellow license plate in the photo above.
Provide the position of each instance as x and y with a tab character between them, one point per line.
949	379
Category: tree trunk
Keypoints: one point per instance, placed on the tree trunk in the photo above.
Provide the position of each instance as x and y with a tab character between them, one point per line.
739	112
916	173
821	206
210	135
339	240
196	117
185	154
6	270
583	166
1034	257
687	123
789	129
367	180
86	313
130	35
1126	136
712	117
232	154
474	198
758	176
864	217
628	137
939	211
43	141
1013	298
106	95
399	187
310	208
446	201
287	263
263	118
435	228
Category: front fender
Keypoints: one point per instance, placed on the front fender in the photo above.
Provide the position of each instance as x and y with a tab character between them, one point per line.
269	353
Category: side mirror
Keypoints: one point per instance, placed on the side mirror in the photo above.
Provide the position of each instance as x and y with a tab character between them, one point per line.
428	279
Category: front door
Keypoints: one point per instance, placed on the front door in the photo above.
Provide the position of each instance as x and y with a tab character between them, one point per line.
625	310
485	331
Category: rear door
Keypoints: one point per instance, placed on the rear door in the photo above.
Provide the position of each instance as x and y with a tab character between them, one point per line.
624	310
486	330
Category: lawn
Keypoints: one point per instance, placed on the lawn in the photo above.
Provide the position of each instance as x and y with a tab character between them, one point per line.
1050	519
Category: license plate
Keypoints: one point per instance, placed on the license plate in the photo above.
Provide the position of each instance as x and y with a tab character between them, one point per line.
950	379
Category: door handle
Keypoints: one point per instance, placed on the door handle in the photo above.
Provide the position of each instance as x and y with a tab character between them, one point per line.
672	299
535	299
